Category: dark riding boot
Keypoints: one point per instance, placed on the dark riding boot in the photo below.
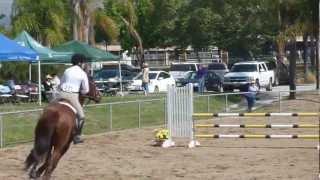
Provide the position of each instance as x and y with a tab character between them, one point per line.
77	137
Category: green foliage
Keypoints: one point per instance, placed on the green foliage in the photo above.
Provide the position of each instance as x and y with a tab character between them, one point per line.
14	70
157	22
105	27
46	20
19	71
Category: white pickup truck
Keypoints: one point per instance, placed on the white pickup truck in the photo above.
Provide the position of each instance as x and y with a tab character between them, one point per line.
243	73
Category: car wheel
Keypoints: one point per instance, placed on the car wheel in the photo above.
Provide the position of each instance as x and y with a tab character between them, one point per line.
269	87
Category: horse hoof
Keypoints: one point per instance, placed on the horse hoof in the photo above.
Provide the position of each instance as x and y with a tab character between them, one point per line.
33	175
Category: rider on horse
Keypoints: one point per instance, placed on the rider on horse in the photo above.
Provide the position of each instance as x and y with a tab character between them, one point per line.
73	82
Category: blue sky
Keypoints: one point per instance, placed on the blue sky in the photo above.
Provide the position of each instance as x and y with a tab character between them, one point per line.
5	8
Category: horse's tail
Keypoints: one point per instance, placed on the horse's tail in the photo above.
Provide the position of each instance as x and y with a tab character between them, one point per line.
43	136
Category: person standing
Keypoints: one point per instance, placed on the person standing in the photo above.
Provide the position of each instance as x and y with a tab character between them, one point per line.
46	89
73	82
145	78
55	82
250	95
201	74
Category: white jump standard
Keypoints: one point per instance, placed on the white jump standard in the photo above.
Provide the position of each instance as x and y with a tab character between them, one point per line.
181	120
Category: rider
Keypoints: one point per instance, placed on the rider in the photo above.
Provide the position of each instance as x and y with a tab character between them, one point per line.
73	82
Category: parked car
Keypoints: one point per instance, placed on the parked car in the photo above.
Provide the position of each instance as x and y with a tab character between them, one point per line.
179	70
213	82
218	68
110	78
159	80
115	66
243	73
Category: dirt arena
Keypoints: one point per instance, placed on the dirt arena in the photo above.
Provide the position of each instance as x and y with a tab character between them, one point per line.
130	155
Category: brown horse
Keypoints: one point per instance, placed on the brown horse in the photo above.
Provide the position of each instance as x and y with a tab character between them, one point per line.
54	133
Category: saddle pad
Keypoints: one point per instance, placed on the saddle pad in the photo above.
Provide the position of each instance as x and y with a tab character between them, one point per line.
69	105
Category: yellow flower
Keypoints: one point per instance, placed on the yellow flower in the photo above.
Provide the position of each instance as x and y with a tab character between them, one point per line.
161	134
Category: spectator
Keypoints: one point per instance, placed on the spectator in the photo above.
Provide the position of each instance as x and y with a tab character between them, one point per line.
250	96
11	83
55	82
46	88
145	78
201	74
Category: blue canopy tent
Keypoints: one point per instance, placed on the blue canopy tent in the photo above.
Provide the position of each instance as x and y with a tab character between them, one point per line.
12	51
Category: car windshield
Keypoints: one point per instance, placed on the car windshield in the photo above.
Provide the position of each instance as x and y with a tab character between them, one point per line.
217	66
191	75
106	74
244	68
182	67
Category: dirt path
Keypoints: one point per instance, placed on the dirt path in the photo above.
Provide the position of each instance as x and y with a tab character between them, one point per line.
130	155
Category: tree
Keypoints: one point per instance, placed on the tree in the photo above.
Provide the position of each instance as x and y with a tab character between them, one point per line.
2	29
126	12
236	26
46	20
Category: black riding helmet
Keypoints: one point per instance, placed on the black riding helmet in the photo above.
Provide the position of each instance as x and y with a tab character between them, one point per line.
78	58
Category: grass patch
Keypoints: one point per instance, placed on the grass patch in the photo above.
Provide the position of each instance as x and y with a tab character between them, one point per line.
120	114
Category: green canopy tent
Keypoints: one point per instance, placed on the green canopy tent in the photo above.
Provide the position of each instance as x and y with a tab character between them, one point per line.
94	54
46	55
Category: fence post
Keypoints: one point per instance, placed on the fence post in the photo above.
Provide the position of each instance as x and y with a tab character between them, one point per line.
226	103
139	111
165	111
1	133
110	117
279	97
208	104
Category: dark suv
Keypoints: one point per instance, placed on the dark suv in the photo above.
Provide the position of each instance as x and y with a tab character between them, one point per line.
219	68
213	82
110	78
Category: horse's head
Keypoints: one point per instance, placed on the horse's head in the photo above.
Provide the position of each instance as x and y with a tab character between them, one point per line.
93	94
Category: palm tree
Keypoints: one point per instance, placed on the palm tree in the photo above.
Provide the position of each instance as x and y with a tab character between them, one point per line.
88	15
127	14
75	4
46	20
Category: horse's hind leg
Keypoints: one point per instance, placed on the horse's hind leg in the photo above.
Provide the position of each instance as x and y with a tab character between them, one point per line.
56	155
44	166
32	173
33	161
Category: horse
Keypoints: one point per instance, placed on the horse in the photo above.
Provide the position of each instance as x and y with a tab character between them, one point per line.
54	133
